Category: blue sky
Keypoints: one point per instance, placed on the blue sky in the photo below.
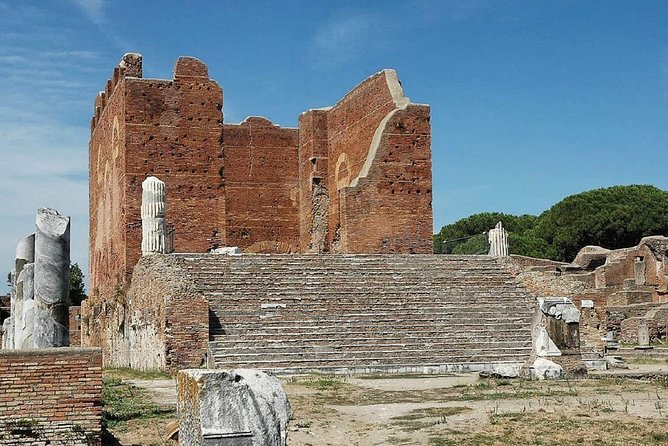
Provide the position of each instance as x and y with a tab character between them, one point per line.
531	100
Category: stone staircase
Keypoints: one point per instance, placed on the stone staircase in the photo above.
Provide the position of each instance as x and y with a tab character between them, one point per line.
362	313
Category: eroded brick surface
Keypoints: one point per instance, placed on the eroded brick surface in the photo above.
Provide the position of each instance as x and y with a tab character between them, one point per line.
51	396
159	322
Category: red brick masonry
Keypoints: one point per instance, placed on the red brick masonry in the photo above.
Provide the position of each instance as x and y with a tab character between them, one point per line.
352	178
51	396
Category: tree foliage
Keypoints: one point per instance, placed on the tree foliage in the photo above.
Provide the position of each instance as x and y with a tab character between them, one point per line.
614	217
451	237
77	288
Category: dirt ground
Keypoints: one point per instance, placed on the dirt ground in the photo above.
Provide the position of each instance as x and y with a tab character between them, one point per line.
455	410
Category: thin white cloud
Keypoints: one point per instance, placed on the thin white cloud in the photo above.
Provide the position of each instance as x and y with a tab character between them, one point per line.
453	10
44	165
348	37
95	11
92	9
75	54
13	59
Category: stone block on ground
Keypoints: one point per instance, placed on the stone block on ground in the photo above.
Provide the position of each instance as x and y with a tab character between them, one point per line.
237	407
545	369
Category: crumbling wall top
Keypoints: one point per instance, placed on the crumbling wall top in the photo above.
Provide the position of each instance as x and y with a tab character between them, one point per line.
131	65
187	66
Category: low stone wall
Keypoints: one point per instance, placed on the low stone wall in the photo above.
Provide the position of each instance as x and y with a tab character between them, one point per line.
51	396
159	323
577	287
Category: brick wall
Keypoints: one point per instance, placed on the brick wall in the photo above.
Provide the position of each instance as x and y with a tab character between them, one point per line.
159	322
50	396
541	278
313	181
261	183
254	185
107	263
173	130
365	172
389	209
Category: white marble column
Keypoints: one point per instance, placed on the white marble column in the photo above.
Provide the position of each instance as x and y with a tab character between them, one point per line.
153	211
498	241
51	279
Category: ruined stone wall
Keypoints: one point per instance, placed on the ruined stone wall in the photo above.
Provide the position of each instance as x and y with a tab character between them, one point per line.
542	279
365	172
159	322
313	181
167	128
353	178
103	325
107	238
261	183
351	126
388	210
51	396
167	323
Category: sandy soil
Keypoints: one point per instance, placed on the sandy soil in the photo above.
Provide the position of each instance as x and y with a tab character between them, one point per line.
458	409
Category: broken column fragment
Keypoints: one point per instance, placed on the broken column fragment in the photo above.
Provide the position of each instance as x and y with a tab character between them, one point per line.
51	279
153	211
8	325
25	254
26	327
556	334
7	335
239	407
498	241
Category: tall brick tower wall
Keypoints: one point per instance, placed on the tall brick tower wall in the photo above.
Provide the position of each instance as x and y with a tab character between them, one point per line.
365	172
354	178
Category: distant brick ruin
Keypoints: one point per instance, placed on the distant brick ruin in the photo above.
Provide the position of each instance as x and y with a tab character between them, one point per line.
623	291
352	178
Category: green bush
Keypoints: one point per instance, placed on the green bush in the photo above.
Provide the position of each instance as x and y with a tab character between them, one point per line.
614	217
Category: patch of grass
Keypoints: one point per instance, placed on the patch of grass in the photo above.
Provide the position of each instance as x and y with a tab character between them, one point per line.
427	417
523	428
323	382
646	360
123	402
127	373
404	375
659	437
433	412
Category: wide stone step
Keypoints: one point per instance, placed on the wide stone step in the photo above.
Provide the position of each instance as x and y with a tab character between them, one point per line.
370	361
341	324
375	354
232	347
343	312
330	337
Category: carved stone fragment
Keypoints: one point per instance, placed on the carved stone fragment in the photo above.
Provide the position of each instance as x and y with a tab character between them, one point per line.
51	279
238	407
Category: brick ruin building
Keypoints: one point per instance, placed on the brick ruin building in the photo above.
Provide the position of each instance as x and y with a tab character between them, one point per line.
327	200
624	291
352	178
